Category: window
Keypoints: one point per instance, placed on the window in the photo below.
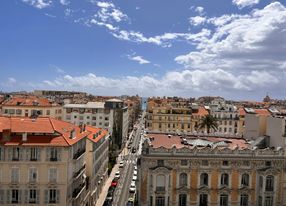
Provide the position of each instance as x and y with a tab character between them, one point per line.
269	201
223	200
224	179
184	162
269	183
160	183
52	196
160	201
48	112
244	200
245	180
32	196
245	163
160	163
93	118
259	201
204	179
182	200
53	175
205	162
183	181
34	154
203	200
1	153
15	196
15	154
225	163
268	163
260	182
53	154
15	175
32	174
18	111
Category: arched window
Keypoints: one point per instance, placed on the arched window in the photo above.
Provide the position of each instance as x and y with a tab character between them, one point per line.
245	180
224	179
183	179
203	200
182	200
269	186
244	200
204	179
160	183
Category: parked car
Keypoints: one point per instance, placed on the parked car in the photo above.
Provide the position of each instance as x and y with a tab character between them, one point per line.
134	178
133	150
135	167
117	174
135	172
132	188
107	202
121	164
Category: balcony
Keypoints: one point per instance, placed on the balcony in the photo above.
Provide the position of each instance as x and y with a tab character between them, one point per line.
77	174
78	153
53	159
77	191
160	189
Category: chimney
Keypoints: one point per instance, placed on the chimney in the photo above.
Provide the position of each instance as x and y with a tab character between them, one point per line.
84	127
24	136
95	135
80	128
72	134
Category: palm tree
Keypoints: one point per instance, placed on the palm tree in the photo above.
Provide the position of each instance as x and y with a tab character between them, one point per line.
209	122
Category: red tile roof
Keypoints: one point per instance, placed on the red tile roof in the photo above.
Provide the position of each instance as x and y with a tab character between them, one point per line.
55	132
201	112
95	130
29	101
241	111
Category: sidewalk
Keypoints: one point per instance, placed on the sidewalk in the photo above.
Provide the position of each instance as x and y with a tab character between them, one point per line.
104	191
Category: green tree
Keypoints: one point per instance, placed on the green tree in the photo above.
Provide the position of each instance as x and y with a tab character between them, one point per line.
208	122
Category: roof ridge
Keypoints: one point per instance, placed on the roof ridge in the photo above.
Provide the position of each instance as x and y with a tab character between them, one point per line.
50	119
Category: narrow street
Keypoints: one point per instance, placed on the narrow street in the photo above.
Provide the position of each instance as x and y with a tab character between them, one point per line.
129	157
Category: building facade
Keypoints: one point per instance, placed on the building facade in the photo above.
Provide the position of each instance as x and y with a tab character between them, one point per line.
27	106
43	161
209	171
173	115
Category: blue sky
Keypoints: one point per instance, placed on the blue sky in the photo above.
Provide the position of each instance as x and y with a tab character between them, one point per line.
232	48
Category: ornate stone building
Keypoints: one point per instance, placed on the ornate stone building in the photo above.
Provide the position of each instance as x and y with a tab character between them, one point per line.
210	171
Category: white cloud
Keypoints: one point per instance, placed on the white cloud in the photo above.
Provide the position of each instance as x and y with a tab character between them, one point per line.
244	3
103	4
197	20
65	2
109	12
40	4
138	59
200	10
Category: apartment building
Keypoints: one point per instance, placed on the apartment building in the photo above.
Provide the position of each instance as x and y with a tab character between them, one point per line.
27	106
227	116
110	115
173	115
255	122
209	170
43	161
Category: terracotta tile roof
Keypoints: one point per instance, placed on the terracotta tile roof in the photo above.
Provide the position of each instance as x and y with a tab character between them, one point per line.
162	140
241	111
57	133
201	112
29	101
262	111
94	130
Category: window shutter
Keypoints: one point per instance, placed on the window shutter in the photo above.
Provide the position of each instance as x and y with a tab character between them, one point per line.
57	196
37	196
46	196
21	155
28	151
9	154
8	196
20	196
26	196
59	151
48	154
1	196
38	154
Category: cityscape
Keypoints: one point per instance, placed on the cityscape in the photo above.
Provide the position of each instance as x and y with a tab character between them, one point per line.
143	103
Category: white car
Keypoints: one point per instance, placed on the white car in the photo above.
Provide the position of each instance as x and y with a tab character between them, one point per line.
121	164
135	172
132	188
134	178
135	167
117	174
